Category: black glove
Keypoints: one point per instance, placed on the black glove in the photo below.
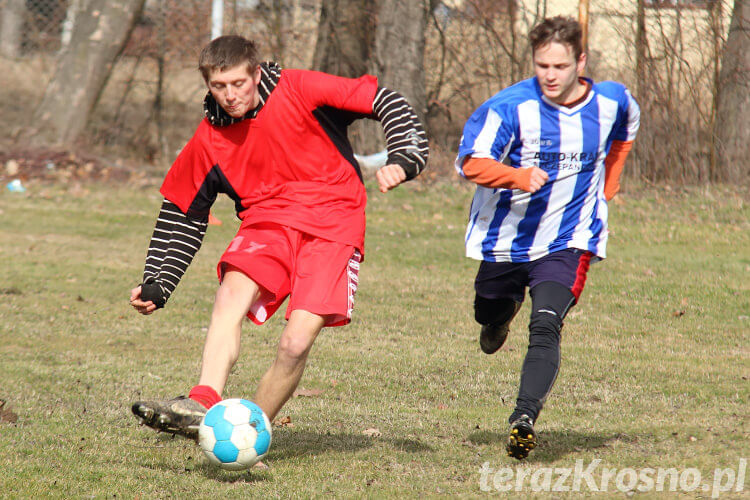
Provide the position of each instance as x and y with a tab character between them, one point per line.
155	293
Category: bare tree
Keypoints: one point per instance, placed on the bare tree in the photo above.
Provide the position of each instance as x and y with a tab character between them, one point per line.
345	37
11	27
101	29
733	128
398	59
476	48
74	6
385	38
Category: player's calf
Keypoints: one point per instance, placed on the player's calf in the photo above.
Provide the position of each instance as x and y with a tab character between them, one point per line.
495	316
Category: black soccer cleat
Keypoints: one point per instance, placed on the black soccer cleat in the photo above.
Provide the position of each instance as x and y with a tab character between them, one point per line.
181	415
492	337
522	438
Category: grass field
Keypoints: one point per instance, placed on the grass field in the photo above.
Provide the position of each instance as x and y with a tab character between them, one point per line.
654	375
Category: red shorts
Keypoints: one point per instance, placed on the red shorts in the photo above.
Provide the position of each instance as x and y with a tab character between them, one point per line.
320	276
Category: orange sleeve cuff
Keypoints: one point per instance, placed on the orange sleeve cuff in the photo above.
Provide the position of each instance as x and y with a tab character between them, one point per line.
493	174
613	164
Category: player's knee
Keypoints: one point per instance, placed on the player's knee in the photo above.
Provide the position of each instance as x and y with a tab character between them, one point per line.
294	349
550	302
493	311
224	295
544	327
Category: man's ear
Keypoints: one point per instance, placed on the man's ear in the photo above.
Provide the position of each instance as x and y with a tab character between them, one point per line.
256	76
581	64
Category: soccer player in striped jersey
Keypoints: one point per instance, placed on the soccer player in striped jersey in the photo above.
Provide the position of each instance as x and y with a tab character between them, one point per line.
275	142
546	154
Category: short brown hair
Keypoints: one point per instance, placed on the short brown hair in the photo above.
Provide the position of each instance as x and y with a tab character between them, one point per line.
227	52
565	30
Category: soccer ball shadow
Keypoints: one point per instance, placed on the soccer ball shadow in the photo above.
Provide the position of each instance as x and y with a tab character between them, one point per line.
251	475
292	443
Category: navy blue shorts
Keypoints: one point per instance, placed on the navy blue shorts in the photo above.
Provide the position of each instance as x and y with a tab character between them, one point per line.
508	280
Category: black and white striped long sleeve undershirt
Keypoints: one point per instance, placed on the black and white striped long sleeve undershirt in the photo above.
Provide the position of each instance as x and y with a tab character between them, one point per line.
406	140
174	243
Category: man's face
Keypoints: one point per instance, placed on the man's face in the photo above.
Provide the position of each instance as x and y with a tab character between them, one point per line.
235	89
558	70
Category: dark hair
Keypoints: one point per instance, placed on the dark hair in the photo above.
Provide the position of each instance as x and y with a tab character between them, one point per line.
565	30
227	52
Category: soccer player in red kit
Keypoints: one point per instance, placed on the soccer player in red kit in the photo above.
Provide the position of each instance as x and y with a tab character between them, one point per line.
275	142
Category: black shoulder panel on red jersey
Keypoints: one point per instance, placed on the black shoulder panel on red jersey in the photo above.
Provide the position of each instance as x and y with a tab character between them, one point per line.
335	122
214	183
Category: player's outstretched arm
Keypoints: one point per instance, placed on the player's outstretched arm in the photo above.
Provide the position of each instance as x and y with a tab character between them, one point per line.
406	140
174	243
493	174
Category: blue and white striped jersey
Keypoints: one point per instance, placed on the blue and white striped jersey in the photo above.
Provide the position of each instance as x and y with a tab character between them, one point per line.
520	127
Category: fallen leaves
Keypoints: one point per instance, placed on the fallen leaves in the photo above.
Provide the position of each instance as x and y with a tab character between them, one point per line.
6	415
372	432
56	165
307	393
681	311
283	422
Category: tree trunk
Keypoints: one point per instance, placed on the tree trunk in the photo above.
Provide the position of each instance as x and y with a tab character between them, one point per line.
384	38
345	37
277	18
399	49
642	92
70	19
11	28
101	30
346	40
733	127
716	14
398	59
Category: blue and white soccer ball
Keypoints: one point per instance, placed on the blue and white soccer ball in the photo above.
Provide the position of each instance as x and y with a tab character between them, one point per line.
235	434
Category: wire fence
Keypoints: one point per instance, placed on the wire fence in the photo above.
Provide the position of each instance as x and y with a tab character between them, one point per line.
32	26
153	95
669	56
175	29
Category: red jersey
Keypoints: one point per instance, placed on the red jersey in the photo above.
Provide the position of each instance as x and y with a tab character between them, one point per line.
289	164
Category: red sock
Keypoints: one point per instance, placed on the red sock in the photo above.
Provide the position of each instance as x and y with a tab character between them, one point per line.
205	395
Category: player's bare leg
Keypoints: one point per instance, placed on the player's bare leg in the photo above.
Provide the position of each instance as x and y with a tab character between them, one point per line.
182	415
281	379
234	297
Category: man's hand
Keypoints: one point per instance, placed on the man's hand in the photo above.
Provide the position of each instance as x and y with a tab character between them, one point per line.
537	179
390	176
143	307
